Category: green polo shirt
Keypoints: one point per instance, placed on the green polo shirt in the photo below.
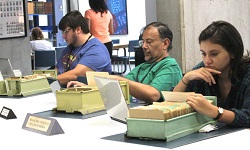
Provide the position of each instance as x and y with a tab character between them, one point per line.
162	75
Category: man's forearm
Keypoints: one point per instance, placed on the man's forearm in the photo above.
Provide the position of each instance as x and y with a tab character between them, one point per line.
65	78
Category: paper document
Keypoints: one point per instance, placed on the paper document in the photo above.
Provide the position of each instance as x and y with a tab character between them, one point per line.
176	96
90	76
55	85
17	73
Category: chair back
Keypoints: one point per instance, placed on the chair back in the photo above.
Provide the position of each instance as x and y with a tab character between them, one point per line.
115	41
132	44
59	51
44	58
63	44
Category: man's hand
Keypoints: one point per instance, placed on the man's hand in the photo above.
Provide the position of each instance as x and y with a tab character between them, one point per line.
75	84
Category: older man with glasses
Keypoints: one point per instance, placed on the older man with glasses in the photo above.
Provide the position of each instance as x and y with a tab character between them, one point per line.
83	53
159	73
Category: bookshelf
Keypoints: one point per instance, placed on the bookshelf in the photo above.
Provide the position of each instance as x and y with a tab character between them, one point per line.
41	15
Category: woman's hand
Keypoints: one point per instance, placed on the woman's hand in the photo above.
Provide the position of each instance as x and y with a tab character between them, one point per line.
202	73
201	104
74	84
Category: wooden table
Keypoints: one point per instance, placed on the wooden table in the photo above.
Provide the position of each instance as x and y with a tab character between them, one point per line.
119	46
120	60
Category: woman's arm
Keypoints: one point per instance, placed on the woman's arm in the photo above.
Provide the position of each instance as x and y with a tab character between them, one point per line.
111	27
205	74
89	22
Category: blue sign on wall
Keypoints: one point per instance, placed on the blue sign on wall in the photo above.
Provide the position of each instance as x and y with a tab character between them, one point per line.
118	9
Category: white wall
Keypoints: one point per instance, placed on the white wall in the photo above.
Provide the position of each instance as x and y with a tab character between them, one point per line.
136	18
198	14
18	50
187	18
169	12
151	14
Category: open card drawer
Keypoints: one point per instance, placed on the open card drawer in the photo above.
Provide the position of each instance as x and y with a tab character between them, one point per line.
169	129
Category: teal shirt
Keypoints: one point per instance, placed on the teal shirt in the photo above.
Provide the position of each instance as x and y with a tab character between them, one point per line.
162	75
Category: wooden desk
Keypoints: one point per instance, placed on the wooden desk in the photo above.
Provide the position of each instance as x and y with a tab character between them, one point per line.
118	46
88	132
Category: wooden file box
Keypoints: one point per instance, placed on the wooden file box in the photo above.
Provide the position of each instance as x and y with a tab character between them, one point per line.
84	99
24	86
169	129
47	73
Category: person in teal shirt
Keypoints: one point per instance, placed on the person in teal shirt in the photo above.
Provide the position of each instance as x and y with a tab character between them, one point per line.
162	75
159	72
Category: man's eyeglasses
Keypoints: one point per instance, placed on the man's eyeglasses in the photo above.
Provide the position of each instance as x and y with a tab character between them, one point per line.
140	43
147	42
65	32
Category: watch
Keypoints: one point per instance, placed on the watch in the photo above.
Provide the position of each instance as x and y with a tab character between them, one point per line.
220	112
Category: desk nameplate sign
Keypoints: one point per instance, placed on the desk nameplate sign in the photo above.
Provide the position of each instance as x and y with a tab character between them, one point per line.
7	113
42	125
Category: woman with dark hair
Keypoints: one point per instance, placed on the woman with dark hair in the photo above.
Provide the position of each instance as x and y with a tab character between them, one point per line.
100	22
224	73
37	40
39	43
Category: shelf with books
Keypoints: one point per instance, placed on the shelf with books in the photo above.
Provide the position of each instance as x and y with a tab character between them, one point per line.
38	7
40	14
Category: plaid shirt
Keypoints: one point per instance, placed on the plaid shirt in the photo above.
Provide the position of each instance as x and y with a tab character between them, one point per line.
238	99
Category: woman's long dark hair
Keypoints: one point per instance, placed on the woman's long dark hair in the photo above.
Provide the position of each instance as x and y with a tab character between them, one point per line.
98	6
226	35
